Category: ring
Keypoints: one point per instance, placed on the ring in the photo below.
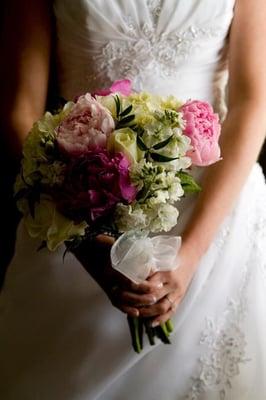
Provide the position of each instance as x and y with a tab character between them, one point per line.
171	303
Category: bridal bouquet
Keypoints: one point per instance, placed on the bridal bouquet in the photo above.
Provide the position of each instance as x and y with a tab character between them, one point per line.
116	162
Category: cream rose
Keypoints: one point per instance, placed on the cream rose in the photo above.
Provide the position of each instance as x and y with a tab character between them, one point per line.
125	141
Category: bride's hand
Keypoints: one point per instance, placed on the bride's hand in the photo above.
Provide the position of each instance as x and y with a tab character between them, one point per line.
159	297
95	258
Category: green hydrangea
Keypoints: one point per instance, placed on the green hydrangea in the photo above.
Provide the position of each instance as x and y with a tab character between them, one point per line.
48	225
38	163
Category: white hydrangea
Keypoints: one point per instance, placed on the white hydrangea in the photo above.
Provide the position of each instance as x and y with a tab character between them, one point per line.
155	218
164	218
130	217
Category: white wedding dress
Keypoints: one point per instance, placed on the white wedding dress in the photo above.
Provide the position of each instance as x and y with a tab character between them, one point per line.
60	337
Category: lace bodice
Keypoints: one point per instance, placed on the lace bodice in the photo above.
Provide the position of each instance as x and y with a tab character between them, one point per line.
164	46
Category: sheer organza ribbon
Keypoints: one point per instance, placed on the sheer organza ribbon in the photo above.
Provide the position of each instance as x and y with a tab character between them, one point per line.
136	256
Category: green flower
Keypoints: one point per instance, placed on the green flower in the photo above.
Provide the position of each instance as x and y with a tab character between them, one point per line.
49	225
170	103
39	148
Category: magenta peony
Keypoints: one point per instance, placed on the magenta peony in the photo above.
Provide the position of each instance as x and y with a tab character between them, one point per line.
94	185
203	128
123	87
86	127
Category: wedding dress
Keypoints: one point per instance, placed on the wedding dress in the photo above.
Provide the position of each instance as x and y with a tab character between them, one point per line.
60	337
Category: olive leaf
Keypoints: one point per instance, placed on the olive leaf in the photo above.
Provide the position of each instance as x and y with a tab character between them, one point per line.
162	144
117	105
142	146
160	158
126	111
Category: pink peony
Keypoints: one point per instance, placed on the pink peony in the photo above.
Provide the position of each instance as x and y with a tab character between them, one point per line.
94	185
86	127
123	87
203	128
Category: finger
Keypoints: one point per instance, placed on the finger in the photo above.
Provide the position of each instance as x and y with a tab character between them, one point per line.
146	299
105	240
158	278
137	300
161	319
161	307
116	302
173	303
132	312
145	287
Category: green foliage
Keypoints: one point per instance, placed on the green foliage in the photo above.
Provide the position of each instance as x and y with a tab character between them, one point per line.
188	183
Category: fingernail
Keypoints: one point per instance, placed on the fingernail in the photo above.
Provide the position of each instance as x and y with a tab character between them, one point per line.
153	300
155	323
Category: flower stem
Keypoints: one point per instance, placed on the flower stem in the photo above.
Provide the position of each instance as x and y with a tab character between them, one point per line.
169	325
149	331
136	327
162	333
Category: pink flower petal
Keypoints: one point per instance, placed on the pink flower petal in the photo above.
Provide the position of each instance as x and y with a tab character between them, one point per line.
122	86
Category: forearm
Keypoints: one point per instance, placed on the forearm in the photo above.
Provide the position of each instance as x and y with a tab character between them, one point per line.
241	140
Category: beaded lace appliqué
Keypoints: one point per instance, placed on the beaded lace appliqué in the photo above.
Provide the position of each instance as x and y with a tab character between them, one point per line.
223	338
225	349
145	50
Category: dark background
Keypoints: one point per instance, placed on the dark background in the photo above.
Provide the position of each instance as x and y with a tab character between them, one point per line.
9	217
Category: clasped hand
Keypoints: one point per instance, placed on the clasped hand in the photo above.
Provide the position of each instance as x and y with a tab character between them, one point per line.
158	297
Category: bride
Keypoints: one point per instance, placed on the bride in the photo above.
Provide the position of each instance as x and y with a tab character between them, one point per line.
60	336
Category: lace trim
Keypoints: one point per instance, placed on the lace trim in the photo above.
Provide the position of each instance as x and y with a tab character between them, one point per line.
225	343
145	51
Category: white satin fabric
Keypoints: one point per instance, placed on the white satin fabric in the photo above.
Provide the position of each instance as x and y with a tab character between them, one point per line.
60	338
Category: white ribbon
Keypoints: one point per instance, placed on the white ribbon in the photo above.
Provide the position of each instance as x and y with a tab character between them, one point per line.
136	256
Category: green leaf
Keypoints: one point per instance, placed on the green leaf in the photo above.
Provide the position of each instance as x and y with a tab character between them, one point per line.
117	105
126	111
134	127
141	145
126	120
188	183
162	144
161	158
72	244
